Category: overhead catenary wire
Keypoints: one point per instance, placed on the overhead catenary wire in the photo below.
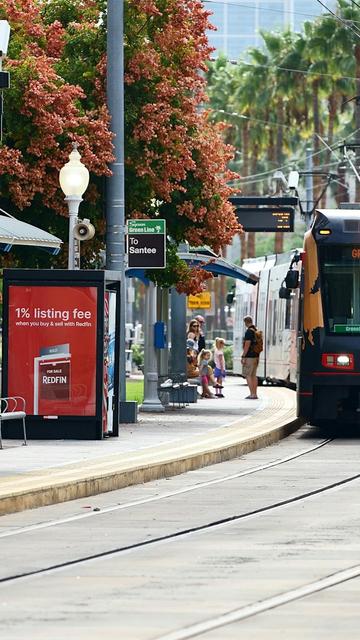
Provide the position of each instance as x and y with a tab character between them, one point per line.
290	70
293	162
344	22
240	115
260	177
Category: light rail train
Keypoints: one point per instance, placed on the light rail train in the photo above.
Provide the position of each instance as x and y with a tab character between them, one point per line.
307	303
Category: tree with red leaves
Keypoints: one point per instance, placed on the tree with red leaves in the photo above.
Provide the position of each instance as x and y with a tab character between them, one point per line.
53	101
176	160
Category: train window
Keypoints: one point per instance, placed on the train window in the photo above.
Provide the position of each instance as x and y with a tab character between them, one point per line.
287	313
268	331
340	267
274	322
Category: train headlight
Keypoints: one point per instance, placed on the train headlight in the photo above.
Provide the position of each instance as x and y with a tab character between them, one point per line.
338	361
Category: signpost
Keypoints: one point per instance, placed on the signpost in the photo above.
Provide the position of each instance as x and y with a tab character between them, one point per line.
146	244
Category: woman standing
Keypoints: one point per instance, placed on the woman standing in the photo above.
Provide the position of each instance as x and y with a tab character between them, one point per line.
193	333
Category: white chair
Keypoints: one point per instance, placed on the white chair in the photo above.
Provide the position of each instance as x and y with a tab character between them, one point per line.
12	408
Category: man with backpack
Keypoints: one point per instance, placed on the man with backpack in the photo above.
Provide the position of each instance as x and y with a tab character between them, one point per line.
252	347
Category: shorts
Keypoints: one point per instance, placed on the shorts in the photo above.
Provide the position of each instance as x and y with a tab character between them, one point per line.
205	379
218	373
249	366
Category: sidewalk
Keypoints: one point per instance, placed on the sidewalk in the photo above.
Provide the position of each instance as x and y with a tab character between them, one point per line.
159	445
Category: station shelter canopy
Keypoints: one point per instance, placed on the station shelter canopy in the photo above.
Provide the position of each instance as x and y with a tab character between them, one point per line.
208	261
14	232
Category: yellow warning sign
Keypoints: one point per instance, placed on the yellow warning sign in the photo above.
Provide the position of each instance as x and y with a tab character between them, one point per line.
200	301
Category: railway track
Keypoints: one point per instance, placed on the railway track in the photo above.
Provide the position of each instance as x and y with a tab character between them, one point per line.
164	496
184	532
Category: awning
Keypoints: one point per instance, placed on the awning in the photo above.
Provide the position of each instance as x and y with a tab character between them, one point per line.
15	232
217	266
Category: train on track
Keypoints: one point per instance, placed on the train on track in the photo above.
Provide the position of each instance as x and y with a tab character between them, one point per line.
307	303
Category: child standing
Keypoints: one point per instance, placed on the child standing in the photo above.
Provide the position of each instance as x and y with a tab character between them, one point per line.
205	372
219	371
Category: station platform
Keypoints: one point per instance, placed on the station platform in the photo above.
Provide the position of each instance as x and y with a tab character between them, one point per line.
158	446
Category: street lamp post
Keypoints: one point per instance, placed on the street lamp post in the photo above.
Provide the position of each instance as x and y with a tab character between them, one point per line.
74	179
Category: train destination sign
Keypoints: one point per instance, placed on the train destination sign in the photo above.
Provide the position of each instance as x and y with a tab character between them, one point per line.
346	328
146	244
266	219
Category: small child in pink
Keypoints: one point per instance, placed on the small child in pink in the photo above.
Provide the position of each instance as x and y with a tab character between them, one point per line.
219	371
205	372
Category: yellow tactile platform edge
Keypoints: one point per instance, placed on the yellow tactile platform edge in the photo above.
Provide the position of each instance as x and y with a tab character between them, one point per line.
72	481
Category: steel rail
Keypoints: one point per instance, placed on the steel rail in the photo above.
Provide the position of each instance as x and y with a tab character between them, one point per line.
178	534
251	610
164	496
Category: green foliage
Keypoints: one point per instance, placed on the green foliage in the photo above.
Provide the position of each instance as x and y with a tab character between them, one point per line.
228	355
138	355
274	113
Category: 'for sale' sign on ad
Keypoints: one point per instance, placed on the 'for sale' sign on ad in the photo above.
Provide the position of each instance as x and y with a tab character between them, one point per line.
52	349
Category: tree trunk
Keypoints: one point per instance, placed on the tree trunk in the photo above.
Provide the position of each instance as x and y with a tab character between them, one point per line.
332	107
279	236
279	132
317	130
251	244
251	236
245	169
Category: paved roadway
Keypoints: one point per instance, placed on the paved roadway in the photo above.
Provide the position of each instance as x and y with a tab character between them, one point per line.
238	566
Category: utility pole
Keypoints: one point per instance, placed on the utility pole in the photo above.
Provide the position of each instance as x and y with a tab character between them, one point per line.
151	399
115	197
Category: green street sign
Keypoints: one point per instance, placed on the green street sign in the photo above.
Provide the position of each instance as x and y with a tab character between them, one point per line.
347	328
146	244
146	226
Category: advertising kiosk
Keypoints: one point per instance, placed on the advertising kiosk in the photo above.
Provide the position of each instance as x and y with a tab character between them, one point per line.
60	351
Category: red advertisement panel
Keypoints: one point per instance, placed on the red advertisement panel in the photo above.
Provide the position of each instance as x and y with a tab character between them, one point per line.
52	349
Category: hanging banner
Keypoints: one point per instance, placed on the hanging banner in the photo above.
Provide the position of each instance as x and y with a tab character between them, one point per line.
52	334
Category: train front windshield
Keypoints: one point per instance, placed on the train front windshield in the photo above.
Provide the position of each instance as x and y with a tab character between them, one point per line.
340	285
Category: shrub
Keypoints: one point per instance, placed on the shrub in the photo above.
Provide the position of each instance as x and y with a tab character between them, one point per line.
138	355
228	354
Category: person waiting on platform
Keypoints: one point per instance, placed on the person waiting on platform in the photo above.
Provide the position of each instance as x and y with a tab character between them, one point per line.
250	358
193	333
192	369
219	371
205	372
201	340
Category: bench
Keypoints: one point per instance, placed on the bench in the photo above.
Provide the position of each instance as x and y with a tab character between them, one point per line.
177	390
12	408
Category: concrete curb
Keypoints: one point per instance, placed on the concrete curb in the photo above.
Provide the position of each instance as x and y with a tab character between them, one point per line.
73	481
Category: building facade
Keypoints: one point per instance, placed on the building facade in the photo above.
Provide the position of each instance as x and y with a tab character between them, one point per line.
239	22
